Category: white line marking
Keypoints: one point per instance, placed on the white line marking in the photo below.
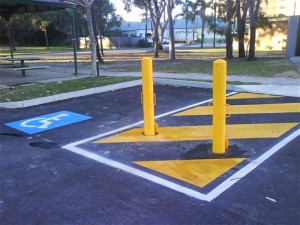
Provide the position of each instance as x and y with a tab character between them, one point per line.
249	167
198	195
139	173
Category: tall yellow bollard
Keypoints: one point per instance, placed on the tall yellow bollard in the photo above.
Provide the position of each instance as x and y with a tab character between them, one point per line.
219	140
148	97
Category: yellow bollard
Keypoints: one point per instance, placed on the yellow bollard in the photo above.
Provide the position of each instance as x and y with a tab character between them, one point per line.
219	140
148	97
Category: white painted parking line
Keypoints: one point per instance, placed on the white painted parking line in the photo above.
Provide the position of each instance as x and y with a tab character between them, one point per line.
250	166
138	173
218	190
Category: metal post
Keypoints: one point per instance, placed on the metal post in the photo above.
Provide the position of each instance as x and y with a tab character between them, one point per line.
219	140
74	40
148	97
10	41
72	13
215	16
97	63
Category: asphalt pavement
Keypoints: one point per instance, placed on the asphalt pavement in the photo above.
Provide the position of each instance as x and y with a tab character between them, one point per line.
82	158
62	162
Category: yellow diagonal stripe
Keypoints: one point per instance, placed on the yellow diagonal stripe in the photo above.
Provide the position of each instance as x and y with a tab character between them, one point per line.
191	133
251	95
245	109
196	172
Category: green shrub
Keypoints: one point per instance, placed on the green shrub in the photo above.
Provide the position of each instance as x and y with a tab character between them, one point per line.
142	43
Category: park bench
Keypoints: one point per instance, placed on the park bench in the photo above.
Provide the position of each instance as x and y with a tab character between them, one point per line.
23	67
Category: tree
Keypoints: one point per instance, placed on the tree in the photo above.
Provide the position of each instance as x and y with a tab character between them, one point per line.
170	6
155	8
184	14
42	24
253	15
192	13
96	31
214	22
146	24
203	6
87	5
228	32
104	20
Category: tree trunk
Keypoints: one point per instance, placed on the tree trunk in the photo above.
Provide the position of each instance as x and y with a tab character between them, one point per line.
203	18
161	37
101	46
156	40
229	51
252	42
215	18
241	24
146	24
228	32
186	24
13	40
193	34
99	58
162	33
253	15
46	38
155	34
241	40
171	32
100	30
202	35
92	39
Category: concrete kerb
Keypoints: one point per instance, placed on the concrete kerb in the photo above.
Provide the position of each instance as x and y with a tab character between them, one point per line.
261	89
69	95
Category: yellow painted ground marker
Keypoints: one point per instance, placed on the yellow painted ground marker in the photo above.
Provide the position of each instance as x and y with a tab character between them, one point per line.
194	133
251	95
197	172
246	109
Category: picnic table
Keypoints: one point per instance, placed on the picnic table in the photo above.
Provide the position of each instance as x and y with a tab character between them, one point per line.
23	67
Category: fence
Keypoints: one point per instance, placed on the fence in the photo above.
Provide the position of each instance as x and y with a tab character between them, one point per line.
111	42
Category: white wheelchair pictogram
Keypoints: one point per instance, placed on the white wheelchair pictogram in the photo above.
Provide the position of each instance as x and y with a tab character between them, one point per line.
42	123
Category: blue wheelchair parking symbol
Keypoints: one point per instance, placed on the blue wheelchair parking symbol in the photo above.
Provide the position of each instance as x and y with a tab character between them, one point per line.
47	122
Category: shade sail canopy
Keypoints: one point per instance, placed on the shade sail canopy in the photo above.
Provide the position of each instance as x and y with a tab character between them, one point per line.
10	7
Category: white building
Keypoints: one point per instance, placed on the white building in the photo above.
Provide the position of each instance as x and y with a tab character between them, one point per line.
137	29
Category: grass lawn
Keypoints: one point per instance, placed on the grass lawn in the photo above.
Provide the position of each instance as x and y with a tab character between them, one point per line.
193	60
200	61
19	93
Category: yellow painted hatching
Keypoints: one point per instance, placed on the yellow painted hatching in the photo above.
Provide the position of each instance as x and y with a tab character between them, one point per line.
245	109
251	95
197	172
193	133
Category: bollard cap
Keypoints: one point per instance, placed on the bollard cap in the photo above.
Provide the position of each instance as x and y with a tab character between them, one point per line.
146	58
220	61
